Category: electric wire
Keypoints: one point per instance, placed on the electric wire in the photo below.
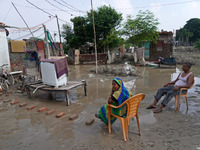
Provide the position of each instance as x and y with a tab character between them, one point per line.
37	26
28	34
57	7
36	8
43	10
159	5
71	7
7	13
68	4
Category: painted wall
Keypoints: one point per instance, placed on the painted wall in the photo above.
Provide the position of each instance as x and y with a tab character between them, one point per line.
4	54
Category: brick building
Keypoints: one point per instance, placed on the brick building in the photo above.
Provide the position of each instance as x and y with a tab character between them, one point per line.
164	46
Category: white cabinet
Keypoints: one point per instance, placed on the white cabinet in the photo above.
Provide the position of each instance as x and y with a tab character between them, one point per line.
49	75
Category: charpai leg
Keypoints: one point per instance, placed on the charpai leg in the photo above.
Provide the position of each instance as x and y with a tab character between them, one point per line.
85	87
28	91
67	98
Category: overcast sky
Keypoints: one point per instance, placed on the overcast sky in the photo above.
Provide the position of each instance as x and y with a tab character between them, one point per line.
172	14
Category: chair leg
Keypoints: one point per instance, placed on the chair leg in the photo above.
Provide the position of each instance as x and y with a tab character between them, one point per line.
127	127
128	120
177	103
124	128
186	101
138	124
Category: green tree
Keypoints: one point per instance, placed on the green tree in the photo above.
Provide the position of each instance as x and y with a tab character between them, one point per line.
67	34
112	40
197	44
80	32
107	21
190	32
185	35
75	37
142	29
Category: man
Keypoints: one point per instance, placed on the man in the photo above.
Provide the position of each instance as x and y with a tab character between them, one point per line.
184	80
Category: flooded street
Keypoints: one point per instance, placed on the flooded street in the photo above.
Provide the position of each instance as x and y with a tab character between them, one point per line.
23	129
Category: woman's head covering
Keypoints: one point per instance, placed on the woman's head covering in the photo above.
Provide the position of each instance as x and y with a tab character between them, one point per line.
122	94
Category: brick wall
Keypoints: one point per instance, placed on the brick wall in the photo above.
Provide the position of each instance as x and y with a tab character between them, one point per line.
17	59
84	58
164	51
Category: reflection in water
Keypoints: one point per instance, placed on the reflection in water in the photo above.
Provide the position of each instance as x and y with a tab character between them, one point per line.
152	79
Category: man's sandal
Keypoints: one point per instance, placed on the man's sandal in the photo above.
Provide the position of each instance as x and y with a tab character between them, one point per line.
158	110
151	107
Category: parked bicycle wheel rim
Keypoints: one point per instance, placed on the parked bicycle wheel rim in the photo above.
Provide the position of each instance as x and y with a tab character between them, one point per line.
11	79
3	84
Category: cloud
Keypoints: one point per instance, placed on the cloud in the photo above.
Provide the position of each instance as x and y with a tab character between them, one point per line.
155	8
123	6
193	9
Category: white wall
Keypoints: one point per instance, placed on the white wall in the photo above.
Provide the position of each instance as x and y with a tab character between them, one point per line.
4	54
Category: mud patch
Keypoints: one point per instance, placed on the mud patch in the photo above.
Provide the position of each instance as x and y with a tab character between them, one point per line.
117	70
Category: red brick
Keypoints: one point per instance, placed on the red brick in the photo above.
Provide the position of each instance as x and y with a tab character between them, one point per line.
42	109
72	117
22	104
50	112
31	107
14	102
60	114
89	121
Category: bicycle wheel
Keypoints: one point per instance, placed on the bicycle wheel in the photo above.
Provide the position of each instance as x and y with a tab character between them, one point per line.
3	85
11	79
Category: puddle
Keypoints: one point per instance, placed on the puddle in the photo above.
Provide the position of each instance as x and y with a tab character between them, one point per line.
32	127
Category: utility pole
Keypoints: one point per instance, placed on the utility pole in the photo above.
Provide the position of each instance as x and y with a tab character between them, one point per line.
47	52
26	25
95	45
61	48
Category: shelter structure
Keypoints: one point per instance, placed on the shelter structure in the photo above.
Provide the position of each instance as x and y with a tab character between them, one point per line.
4	53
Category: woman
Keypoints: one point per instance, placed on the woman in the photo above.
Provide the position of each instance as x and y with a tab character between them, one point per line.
118	95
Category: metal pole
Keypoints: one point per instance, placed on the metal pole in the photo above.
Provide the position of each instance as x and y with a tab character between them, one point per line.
26	25
47	54
61	48
95	46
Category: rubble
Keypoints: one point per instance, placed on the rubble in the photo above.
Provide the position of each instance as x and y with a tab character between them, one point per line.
120	70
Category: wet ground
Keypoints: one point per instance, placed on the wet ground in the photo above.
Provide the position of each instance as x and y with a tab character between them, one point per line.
23	129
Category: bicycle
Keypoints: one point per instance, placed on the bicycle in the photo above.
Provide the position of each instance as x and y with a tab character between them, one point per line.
3	85
9	79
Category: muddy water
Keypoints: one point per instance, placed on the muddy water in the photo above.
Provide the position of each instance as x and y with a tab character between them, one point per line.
28	129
